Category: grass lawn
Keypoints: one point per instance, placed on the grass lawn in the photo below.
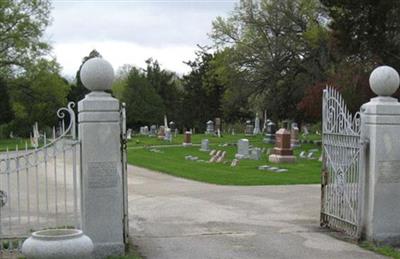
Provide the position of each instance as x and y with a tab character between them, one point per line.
12	143
171	160
383	250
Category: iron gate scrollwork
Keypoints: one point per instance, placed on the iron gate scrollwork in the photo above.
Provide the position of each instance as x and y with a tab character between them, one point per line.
40	185
342	170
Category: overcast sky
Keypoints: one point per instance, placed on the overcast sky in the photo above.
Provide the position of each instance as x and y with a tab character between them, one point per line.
131	31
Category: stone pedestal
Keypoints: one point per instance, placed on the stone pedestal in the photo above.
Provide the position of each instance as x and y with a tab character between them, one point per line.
101	167
282	152
102	210
381	127
187	139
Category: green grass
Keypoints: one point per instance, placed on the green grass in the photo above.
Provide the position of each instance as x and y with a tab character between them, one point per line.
383	250
171	160
12	143
130	253
144	141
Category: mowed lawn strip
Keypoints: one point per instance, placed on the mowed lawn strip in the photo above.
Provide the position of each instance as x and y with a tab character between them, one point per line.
171	160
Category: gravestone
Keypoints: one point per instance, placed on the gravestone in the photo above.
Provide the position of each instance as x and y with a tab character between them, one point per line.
257	129
265	123
210	127
243	149
204	145
168	135
129	134
218	133
306	132
187	139
270	136
146	130
249	128
101	167
282	152
221	157
165	121
172	126
161	132
218	125
235	162
255	153
153	130
294	136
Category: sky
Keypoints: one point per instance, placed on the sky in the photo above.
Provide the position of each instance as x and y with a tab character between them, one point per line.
131	31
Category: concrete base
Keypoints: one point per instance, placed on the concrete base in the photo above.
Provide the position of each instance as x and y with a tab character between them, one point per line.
187	144
105	250
281	159
204	150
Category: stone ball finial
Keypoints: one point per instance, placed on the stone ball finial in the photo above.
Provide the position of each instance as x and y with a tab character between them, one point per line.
97	74
384	81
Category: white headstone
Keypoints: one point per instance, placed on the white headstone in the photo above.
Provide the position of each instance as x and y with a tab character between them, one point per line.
243	149
129	134
168	134
255	153
204	145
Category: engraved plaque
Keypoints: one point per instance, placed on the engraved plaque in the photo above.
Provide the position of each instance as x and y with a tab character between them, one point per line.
102	174
389	171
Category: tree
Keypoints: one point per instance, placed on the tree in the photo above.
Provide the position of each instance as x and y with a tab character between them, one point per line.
278	46
166	84
22	24
366	31
79	91
120	81
143	105
203	92
6	114
36	95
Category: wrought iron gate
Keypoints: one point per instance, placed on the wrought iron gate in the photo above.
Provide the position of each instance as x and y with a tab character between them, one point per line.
124	173
342	172
40	187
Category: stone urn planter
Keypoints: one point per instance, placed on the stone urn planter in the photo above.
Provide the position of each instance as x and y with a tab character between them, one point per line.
58	243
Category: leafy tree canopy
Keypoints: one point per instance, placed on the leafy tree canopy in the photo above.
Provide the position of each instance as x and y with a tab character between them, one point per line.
22	24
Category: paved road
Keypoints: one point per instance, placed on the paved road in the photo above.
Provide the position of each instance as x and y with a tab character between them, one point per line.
177	218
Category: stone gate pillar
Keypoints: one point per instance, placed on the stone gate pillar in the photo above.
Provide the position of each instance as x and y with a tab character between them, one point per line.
381	127
99	133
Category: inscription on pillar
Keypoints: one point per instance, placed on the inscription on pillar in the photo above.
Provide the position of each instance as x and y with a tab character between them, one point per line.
102	174
388	171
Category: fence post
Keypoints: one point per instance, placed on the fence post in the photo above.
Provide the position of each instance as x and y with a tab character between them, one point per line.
99	133
381	126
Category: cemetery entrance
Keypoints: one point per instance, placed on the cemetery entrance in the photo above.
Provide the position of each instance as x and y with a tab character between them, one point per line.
40	186
342	169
